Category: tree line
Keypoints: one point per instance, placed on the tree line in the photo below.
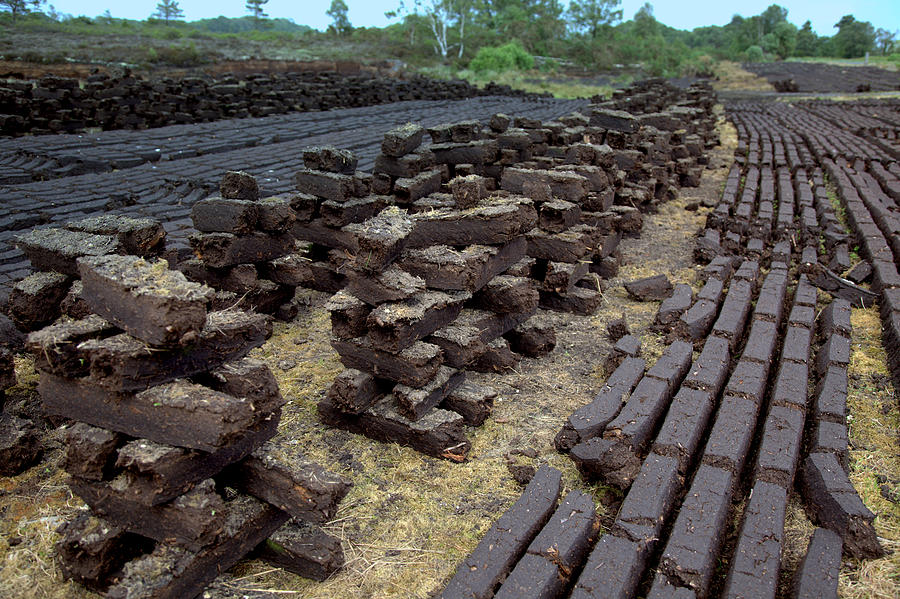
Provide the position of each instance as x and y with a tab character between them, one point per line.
590	33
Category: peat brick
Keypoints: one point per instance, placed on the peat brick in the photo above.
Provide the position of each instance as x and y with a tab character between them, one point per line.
615	120
348	315
834	352
505	294
834	504
291	483
304	549
561	277
138	236
439	433
656	287
380	240
685	425
673	365
831	395
791	386
558	549
402	140
675	305
613	569
91	551
649	501
394	327
122	363
325	185
330	159
833	438
414	366
391	285
408	190
755	566
748	380
802	316
733	315
91	452
496	358
172	572
353	391
238	185
473	402
558	215
176	413
589	420
506	541
818	573
20	444
691	553
571	245
219	215
35	300
192	520
415	403
709	370
58	249
695	324
469	268
760	345
732	432
276	214
468	191
535	338
770	303
55	348
797	342
218	250
780	447
835	319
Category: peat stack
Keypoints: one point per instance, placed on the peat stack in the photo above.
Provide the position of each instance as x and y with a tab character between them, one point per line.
54	288
332	194
240	237
167	440
429	295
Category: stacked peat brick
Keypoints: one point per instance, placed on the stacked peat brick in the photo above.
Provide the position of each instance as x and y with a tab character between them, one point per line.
331	195
430	294
53	289
240	240
162	398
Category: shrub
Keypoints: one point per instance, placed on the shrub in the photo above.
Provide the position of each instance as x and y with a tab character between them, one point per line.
754	54
508	57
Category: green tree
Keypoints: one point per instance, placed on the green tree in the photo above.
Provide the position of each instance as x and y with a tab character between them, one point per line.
785	35
770	18
255	8
340	23
591	16
854	38
168	10
807	41
20	7
884	40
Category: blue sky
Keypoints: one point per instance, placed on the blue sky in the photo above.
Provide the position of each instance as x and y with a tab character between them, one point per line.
683	14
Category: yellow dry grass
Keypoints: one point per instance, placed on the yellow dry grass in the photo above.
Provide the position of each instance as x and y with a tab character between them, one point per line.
731	77
874	422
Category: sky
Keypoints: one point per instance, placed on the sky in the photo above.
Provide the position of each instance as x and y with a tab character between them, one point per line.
681	14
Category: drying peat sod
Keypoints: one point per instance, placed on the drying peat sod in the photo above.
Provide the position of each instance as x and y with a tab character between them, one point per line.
683	435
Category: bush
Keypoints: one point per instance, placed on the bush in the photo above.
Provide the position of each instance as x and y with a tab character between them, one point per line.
508	57
755	54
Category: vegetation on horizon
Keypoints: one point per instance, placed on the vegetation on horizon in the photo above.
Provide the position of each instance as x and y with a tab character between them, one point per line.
484	35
